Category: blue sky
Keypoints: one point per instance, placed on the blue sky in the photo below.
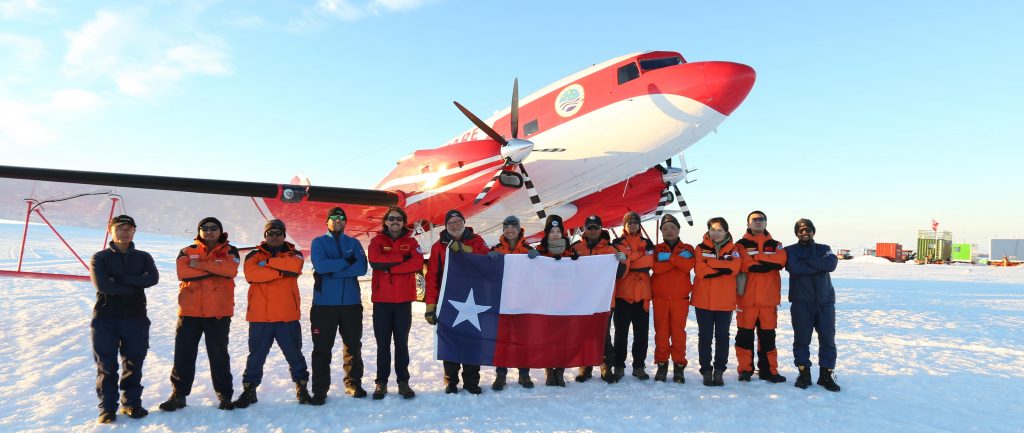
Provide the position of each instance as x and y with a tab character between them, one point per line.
870	118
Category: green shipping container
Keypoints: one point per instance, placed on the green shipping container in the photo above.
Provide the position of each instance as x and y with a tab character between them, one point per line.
963	253
932	248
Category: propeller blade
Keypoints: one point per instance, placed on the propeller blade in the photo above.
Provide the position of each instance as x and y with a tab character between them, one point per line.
480	124
668	162
515	109
661	204
487	188
683	207
534	197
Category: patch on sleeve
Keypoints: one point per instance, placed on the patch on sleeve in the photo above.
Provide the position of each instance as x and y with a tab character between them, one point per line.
419	249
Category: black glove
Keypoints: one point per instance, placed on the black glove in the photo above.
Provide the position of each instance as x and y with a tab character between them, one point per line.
759	268
431	314
558	257
574	256
350	259
771	266
714	275
725	271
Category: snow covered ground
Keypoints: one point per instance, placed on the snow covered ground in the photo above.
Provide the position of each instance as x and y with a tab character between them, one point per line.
921	348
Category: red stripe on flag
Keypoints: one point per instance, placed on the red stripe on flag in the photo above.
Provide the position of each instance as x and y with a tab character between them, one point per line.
542	341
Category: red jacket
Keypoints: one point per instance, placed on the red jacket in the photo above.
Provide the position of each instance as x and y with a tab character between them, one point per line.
763	289
505	247
208	290
603	246
635	286
671	278
395	263
273	287
435	268
716	293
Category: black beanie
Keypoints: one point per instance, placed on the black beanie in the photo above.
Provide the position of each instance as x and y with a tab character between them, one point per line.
803	222
274	224
452	214
554	221
337	211
216	221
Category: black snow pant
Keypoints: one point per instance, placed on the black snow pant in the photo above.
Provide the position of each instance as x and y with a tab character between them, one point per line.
392	320
128	336
713	325
627	314
470	374
186	349
326	322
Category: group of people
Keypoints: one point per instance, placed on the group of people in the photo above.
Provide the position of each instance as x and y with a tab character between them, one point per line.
741	276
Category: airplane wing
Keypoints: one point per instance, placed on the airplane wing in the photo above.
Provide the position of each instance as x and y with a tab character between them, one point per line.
174	205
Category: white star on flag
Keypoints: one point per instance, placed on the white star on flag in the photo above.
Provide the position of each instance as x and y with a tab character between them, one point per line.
469	311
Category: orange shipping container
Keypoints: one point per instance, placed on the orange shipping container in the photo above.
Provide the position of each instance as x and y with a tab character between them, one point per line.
891	251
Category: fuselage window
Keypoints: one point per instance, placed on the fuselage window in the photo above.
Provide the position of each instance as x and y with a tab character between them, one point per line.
628	73
531	127
652	64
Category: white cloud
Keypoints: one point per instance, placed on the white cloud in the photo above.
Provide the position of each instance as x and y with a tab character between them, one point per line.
21	50
396	5
141	60
75	100
23	9
346	10
340	9
247	22
19	125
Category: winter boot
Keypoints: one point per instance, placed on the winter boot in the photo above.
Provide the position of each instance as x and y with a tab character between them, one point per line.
302	392
473	389
225	404
662	374
134	412
608	374
499	382
827	379
355	389
404	390
745	376
586	373
318	399
708	380
248	396
549	377
717	378
804	380
640	374
174	402
106	417
524	380
620	372
451	388
560	377
771	377
677	373
379	391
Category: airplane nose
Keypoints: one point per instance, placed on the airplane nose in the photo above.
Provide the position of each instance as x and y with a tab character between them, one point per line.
726	85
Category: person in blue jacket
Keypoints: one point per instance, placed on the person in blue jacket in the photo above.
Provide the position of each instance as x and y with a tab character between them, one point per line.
813	305
121	274
338	259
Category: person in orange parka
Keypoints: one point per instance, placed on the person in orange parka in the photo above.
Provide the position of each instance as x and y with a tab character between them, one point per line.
633	296
714	298
512	241
596	241
555	244
206	302
273	270
671	287
459	239
761	257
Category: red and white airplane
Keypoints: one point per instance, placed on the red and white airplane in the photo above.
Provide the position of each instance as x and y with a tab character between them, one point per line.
590	143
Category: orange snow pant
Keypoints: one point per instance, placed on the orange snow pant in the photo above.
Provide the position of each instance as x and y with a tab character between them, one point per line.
764	320
670	329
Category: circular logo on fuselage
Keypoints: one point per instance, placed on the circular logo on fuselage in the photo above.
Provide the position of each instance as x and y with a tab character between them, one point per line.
569	101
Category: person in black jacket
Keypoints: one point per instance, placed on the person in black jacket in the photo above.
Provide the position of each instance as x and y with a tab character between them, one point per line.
813	305
121	273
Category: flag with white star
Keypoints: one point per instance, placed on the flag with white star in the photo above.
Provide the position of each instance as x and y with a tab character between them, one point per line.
513	311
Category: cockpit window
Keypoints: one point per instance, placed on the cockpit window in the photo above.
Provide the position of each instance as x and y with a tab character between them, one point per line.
652	64
628	73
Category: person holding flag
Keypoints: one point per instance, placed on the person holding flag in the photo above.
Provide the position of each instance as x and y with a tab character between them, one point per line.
512	241
459	239
555	244
633	297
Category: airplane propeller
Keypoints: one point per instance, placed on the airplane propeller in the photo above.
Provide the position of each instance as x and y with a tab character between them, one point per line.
513	151
672	176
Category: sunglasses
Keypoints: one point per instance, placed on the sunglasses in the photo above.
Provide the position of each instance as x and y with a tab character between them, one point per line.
209	228
273	233
394	218
593	227
336	217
